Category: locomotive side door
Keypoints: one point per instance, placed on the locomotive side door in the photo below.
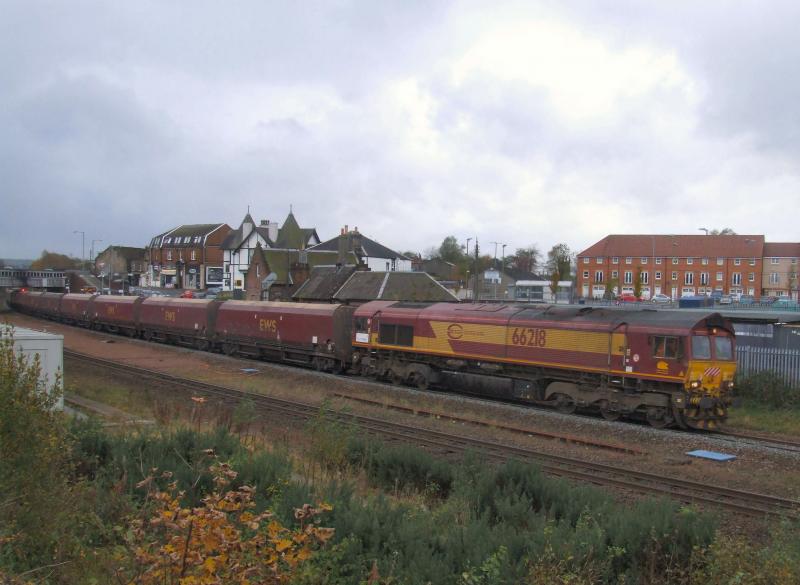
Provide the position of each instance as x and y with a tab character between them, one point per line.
375	329
619	351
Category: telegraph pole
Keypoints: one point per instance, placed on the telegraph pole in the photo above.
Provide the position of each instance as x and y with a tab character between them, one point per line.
476	293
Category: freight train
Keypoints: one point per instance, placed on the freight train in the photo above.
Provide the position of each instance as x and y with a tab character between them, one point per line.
672	368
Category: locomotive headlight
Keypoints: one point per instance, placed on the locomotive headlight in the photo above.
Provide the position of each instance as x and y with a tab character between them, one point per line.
695	384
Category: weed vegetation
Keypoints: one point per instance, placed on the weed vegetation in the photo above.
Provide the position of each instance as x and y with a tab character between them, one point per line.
766	403
80	504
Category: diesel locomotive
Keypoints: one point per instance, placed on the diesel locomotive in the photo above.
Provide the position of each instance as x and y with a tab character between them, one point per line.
672	368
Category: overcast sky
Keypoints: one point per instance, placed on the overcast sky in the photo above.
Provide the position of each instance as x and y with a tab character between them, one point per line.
529	122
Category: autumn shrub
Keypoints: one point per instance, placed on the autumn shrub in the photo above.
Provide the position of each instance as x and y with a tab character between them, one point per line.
767	388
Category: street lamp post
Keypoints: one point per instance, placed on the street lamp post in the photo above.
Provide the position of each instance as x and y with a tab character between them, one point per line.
91	250
83	246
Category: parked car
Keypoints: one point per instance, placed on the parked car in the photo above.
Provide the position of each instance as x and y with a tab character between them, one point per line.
187	294
716	295
785	303
627	298
661	298
725	300
747	300
768	300
213	291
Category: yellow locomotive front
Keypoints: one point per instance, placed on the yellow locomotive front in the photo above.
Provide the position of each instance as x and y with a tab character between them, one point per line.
709	378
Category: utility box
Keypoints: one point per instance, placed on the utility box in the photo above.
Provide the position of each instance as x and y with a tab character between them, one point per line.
50	349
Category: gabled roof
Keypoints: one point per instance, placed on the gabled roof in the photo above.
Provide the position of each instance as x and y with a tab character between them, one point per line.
292	236
239	236
782	249
188	231
393	286
280	261
680	246
369	248
323	282
127	252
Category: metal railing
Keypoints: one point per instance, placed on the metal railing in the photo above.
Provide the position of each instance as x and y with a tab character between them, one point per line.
784	362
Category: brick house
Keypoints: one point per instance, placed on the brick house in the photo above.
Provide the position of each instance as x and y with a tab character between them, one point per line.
126	264
780	276
675	265
188	256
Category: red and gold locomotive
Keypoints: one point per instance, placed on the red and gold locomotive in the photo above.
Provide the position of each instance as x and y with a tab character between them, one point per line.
671	367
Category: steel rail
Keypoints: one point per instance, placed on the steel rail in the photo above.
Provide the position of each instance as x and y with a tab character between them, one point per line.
687	491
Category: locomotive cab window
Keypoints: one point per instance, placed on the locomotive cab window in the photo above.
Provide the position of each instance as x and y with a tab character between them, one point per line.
701	347
667	347
362	325
396	335
723	348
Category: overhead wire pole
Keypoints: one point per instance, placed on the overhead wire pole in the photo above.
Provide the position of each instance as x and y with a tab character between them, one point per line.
475	294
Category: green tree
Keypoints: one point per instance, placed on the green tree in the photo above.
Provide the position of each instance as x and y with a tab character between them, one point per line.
555	277
722	232
450	250
525	259
612	288
55	261
559	259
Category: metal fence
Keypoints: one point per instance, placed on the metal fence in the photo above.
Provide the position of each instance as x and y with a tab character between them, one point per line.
784	362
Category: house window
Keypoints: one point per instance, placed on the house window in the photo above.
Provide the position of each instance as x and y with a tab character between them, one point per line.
774	278
704	262
774	260
751	277
644	259
615	274
690	260
688	278
736	278
628	277
752	261
197	239
598	276
167	240
658	276
169	254
737	261
720	261
600	259
586	274
586	260
674	260
194	255
658	260
644	277
628	260
704	278
615	260
674	276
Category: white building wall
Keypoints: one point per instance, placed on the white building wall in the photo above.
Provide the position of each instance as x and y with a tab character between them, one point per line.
385	264
50	349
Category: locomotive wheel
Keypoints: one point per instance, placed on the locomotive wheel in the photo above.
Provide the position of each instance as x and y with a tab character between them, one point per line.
564	404
680	418
395	378
607	413
420	380
658	418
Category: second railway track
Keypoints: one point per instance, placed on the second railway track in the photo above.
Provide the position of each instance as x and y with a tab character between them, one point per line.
744	502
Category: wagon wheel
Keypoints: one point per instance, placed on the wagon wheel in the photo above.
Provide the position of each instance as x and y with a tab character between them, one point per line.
564	404
148	335
607	412
658	418
421	381
201	344
229	348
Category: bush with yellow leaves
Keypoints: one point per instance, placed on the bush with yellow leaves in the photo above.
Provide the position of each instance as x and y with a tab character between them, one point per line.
221	541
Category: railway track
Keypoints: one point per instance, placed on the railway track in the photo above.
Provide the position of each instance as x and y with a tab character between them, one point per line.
743	502
760	440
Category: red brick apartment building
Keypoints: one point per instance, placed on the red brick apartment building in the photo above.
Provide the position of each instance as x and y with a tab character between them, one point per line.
781	261
675	265
188	256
